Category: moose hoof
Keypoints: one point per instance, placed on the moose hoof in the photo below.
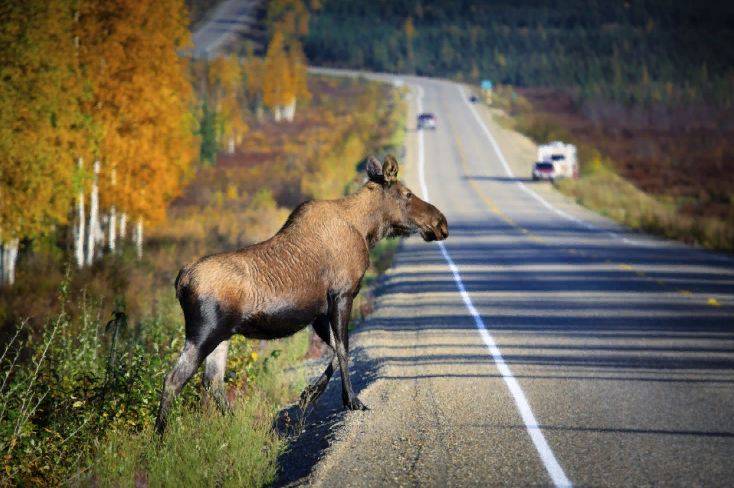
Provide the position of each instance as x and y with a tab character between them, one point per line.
355	404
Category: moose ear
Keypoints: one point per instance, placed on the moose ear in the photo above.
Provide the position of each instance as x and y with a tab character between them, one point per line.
374	170
390	169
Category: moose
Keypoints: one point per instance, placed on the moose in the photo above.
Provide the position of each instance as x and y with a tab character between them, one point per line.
308	273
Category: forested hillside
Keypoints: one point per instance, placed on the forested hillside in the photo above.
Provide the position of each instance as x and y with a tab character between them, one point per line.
633	50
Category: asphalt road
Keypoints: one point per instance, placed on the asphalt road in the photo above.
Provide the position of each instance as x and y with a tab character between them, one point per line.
542	345
224	25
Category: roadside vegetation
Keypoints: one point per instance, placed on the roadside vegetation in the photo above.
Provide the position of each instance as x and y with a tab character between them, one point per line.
85	343
689	199
83	374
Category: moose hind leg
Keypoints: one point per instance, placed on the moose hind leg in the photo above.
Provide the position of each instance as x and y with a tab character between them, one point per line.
213	379
312	392
187	364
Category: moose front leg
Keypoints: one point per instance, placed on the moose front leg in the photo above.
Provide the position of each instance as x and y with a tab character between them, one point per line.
340	313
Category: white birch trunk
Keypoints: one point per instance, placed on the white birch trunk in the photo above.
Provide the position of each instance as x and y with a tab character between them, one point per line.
99	234
138	236
112	217
289	111
277	113
80	225
9	258
230	145
93	216
123	225
112	227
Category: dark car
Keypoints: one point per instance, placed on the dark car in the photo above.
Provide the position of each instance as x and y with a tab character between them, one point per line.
426	121
473	99
544	170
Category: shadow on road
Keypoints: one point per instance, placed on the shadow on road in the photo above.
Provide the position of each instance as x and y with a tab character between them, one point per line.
306	448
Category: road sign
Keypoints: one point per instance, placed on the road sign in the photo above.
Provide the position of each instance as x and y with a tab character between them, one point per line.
486	85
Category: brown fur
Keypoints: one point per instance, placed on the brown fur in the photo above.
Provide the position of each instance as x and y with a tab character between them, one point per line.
300	276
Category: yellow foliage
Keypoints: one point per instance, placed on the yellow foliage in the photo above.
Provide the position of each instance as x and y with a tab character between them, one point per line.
140	100
278	87
290	17
226	91
39	117
334	170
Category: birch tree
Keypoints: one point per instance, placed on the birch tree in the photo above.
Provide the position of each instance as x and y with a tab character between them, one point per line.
93	216
141	101
299	80
80	224
37	117
277	84
285	63
227	95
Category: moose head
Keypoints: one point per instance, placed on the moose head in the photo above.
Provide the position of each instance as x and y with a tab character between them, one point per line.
403	212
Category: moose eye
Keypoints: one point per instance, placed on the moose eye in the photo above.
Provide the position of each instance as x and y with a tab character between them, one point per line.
409	195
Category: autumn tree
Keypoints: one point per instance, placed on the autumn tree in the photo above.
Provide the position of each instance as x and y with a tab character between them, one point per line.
38	119
285	70
227	95
141	101
299	79
253	70
277	79
289	17
284	77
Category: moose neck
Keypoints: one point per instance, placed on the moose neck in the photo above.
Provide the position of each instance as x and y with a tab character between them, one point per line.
364	210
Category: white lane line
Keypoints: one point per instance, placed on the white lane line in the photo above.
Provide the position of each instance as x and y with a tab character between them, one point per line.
522	185
536	435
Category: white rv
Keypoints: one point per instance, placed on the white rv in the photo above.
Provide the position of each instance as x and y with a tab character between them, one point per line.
561	156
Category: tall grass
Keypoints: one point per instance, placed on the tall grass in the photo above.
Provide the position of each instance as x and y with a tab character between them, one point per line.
80	408
205	448
200	449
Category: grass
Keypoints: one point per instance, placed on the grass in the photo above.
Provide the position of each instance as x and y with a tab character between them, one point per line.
202	447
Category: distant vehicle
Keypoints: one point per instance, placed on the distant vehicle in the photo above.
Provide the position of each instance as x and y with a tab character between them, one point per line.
426	121
543	170
473	99
561	156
